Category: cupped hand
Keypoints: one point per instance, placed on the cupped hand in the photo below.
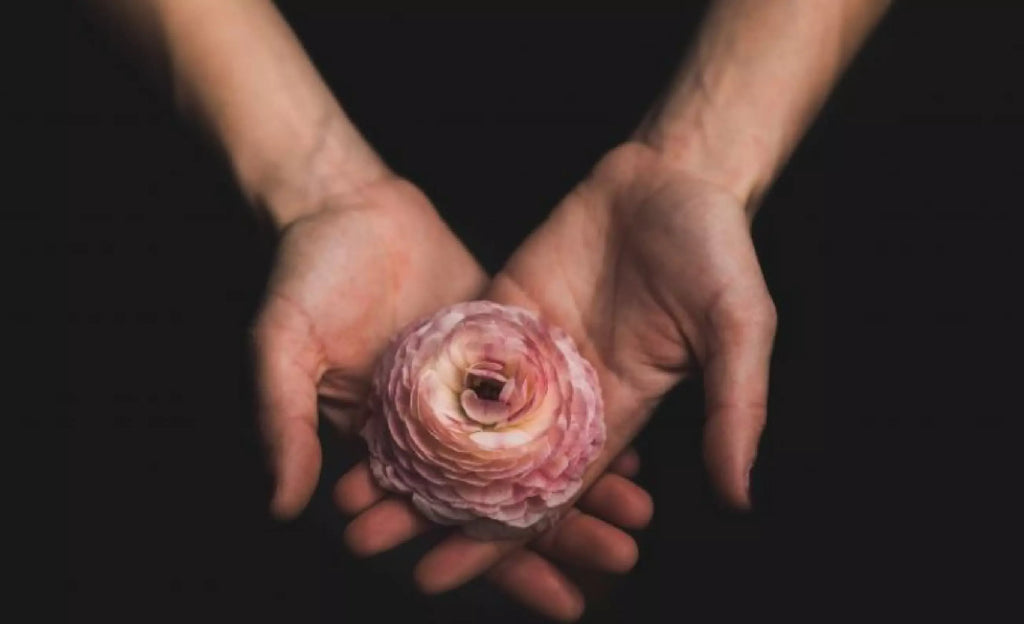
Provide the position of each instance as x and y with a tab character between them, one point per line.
653	272
346	279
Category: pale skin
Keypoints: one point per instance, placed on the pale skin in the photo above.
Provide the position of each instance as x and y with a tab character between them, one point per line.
647	263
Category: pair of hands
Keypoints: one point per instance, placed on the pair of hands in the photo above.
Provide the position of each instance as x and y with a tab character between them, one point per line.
650	269
648	263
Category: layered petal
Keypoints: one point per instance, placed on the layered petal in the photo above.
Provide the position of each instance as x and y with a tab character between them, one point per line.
487	416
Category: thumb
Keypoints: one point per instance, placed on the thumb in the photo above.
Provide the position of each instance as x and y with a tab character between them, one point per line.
736	388
285	366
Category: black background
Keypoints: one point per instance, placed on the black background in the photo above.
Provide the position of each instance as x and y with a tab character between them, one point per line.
890	244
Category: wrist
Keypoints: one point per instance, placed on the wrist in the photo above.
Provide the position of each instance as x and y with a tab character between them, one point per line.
295	182
707	145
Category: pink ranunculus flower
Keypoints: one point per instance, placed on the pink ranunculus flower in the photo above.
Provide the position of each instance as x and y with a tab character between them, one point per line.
487	416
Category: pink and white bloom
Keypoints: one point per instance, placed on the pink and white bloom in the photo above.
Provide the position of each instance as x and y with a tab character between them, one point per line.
487	416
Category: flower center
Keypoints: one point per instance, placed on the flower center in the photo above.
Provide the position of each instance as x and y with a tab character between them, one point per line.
485	394
486	388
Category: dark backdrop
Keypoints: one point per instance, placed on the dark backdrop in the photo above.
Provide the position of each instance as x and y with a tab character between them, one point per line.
890	244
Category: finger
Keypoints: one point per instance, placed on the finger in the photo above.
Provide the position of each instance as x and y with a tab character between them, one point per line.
356	490
529	578
619	501
736	386
583	540
458	559
626	464
286	397
387	524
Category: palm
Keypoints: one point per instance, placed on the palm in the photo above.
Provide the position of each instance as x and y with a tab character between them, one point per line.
653	272
346	279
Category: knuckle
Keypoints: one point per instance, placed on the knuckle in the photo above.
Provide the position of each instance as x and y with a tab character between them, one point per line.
751	315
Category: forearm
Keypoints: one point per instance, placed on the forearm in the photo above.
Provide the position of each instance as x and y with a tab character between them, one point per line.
236	67
752	83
